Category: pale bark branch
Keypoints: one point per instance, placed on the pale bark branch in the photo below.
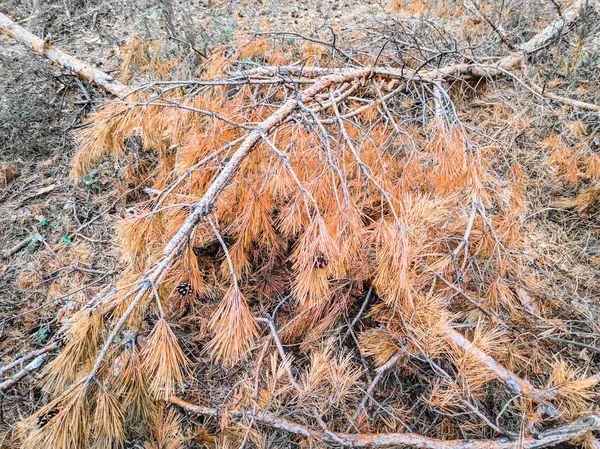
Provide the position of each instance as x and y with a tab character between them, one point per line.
512	60
369	393
75	65
514	383
565	100
49	348
32	366
551	437
19	246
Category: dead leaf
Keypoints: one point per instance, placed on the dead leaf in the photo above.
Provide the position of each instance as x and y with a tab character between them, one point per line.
528	302
584	355
595	260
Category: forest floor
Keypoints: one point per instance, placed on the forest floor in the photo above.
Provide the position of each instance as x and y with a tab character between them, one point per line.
41	109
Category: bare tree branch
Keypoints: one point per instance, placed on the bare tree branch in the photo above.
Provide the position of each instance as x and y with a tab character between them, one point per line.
554	436
46	49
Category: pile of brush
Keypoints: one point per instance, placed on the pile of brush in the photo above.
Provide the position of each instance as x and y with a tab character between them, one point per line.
332	255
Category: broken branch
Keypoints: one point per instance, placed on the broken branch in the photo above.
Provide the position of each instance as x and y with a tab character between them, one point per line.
75	65
554	436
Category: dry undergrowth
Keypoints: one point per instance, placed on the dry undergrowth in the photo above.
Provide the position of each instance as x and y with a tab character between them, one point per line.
362	259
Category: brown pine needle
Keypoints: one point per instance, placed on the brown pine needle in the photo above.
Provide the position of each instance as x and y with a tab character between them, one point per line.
234	326
163	360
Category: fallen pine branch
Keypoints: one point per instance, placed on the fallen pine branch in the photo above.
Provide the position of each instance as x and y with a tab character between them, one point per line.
514	59
548	438
47	50
201	209
325	79
325	84
515	383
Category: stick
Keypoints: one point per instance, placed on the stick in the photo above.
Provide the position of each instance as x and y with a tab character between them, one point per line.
369	394
548	438
77	66
358	315
514	383
281	352
510	379
49	348
19	246
565	100
31	367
